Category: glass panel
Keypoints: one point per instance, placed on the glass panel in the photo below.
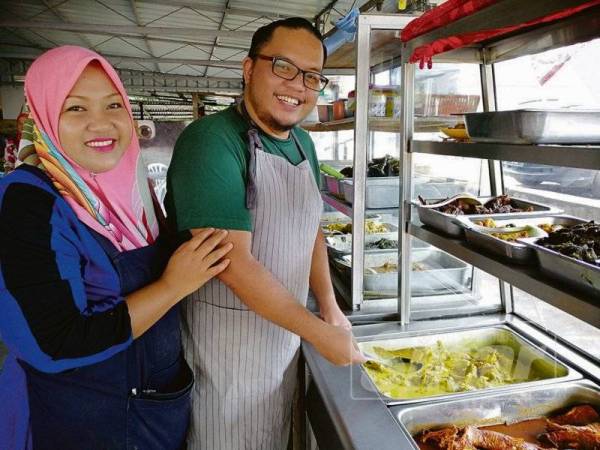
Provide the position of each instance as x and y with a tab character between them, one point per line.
460	289
560	79
447	89
556	79
443	285
380	279
583	336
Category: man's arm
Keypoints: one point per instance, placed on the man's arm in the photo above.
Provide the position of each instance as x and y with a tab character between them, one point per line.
320	284
264	294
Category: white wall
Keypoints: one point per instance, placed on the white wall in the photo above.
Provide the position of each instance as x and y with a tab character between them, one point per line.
12	101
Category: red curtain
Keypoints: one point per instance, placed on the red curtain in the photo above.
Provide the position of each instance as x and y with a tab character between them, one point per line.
455	9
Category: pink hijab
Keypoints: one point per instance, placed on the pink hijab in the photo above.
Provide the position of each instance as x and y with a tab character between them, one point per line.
122	195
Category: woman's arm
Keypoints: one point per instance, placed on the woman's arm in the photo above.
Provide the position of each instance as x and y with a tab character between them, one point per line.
193	264
54	318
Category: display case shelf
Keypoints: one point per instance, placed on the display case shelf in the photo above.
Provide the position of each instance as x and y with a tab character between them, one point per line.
529	279
386	124
338	204
346	208
582	157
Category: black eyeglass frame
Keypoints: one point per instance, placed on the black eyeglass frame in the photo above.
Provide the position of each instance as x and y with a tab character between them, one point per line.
274	59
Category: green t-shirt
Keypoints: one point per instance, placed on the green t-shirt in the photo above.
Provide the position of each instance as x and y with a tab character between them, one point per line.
206	182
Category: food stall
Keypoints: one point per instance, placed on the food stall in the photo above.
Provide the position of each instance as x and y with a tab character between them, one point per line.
459	361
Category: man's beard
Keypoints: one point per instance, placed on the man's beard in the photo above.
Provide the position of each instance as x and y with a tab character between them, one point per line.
268	119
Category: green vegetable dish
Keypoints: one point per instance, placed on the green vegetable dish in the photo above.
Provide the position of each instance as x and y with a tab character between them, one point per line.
436	370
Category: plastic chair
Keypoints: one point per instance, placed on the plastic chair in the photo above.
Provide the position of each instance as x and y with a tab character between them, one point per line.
160	189
157	170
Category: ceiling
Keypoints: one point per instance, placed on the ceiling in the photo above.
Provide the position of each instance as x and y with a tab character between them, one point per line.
158	46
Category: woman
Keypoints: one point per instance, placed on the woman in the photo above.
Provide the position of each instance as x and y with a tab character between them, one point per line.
86	292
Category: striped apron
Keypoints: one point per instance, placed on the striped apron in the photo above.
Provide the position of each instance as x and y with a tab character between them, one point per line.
246	366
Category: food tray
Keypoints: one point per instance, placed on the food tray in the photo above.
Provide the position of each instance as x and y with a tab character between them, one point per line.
339	245
527	357
449	224
446	273
338	217
390	228
382	192
578	273
499	408
514	251
535	127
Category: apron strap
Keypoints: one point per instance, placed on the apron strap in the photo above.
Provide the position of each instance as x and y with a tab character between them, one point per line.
254	144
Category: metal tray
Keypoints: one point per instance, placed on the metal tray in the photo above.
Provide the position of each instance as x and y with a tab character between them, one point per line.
339	245
535	127
528	356
382	192
338	217
449	224
514	251
446	273
495	409
389	226
578	273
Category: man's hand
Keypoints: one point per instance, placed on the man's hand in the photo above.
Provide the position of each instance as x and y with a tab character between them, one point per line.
333	315
338	346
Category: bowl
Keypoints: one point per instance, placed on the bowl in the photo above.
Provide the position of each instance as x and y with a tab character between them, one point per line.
455	133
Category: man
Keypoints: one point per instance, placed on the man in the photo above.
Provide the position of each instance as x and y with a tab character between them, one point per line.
252	171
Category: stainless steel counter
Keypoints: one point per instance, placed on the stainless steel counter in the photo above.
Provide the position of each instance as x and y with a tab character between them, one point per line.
345	413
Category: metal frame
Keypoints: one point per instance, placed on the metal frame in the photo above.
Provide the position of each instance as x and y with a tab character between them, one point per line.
366	24
576	29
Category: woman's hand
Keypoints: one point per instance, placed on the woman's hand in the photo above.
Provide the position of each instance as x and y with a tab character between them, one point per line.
196	261
338	346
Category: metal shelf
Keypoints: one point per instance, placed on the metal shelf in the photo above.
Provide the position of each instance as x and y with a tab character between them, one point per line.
337	204
578	28
386	124
582	157
529	279
346	208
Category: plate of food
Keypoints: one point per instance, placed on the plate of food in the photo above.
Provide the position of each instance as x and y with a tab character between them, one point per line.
458	132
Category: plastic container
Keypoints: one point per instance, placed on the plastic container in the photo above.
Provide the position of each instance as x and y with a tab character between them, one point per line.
381	192
333	185
339	109
325	113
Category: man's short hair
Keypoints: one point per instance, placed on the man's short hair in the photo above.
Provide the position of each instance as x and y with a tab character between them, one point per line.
264	34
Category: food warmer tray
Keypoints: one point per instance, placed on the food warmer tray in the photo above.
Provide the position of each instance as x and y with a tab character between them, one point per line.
449	224
390	227
339	245
535	127
446	273
528	355
496	408
514	251
381	192
580	274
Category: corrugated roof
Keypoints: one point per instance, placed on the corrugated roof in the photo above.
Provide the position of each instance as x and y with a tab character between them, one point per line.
171	45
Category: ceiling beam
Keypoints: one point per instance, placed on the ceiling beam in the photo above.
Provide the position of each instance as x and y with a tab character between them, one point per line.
211	7
142	59
165	40
216	41
139	23
11	67
122	29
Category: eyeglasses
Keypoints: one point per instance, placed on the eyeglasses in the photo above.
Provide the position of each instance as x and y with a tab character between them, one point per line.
289	71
